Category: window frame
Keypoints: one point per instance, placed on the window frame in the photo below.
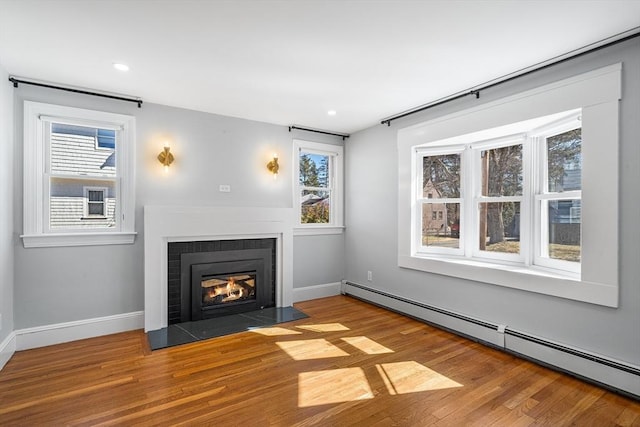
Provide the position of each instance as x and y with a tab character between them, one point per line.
335	187
36	231
598	93
542	193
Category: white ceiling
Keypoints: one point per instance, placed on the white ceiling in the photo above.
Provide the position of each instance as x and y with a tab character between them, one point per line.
289	62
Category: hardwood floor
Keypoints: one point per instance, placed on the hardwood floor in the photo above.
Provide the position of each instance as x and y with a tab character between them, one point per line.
349	363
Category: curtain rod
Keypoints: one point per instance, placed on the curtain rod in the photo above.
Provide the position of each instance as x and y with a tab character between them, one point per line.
610	41
341	135
16	81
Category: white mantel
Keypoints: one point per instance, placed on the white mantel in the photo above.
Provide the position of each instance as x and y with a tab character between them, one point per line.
164	224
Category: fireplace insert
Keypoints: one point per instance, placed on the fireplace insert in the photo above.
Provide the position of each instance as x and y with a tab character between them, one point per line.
219	282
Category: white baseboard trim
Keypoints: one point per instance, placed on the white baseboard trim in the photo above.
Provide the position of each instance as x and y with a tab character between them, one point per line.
7	348
41	336
316	291
621	376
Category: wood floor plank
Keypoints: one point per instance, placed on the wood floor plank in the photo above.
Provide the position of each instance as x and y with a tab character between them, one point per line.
349	364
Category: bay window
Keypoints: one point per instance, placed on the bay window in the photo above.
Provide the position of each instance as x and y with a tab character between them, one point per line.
497	200
527	186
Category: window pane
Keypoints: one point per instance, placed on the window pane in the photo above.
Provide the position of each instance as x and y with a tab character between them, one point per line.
96	208
315	207
563	220
441	176
500	227
502	171
95	196
67	204
74	152
564	161
314	170
445	230
106	138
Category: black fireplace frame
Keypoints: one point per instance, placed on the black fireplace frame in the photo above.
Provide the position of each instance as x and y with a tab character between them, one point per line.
195	266
177	294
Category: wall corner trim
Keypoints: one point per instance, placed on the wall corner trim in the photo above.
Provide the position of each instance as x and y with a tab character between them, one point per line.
7	348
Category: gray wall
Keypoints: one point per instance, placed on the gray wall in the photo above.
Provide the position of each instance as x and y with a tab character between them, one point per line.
6	205
371	220
54	285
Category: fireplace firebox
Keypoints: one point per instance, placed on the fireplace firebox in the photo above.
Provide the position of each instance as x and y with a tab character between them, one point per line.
215	280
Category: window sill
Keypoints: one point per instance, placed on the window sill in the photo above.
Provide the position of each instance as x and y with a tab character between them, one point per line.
77	239
518	277
318	230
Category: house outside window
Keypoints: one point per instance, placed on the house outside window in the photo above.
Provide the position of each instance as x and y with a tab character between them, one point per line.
318	187
78	176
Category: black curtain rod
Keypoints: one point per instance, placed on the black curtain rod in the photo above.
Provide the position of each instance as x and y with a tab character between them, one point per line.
341	135
16	81
513	76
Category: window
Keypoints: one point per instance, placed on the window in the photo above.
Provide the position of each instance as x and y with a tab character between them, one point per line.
495	203
78	177
95	202
318	187
508	176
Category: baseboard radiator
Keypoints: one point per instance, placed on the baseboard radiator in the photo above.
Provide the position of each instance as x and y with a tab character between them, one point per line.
611	374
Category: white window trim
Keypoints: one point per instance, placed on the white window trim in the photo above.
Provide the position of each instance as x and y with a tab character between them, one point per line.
35	228
336	224
597	93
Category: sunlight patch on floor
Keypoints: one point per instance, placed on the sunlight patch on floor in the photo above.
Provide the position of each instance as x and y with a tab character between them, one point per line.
310	349
275	331
325	327
367	345
334	386
412	377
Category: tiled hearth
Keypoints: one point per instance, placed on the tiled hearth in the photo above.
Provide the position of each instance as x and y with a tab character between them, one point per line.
188	332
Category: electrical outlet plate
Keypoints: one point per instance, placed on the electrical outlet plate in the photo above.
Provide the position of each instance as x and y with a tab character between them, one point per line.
369	276
224	188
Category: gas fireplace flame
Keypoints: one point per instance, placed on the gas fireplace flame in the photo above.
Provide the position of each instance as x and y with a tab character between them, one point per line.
231	288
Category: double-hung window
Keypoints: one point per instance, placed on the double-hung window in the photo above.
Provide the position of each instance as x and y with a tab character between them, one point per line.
78	176
558	198
318	187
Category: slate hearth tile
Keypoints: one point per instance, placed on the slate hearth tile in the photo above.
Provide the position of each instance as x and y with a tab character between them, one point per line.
169	337
276	315
220	326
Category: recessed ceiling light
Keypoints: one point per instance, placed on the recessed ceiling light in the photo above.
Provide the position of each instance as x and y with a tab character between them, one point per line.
120	67
331	112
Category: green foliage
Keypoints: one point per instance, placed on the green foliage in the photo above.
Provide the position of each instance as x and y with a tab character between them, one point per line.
317	213
308	172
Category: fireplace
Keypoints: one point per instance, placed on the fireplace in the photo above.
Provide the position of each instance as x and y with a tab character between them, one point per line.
217	278
165	225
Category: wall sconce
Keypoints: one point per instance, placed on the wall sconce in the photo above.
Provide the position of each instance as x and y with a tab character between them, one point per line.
165	157
273	166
